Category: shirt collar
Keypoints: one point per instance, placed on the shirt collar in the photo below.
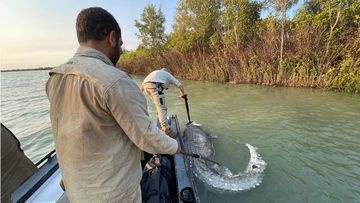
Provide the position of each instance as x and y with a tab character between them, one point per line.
91	52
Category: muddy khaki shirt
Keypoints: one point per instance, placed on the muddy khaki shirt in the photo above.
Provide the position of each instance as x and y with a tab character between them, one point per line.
100	125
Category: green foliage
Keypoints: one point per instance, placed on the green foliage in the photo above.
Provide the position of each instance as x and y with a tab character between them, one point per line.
324	12
181	41
239	18
226	41
151	28
348	78
196	22
139	53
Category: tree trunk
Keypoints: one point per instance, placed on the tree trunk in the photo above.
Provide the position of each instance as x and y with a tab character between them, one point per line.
283	19
332	27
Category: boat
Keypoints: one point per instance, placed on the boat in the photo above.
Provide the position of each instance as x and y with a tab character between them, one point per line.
43	185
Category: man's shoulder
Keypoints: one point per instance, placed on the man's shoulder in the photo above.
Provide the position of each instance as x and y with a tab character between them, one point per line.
161	74
93	70
166	73
109	75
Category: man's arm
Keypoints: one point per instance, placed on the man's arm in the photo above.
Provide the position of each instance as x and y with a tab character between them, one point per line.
182	91
176	82
128	106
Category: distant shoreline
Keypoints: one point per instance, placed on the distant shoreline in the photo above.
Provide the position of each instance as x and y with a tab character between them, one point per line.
29	69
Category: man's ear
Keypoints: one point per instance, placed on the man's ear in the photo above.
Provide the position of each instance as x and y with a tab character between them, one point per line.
112	39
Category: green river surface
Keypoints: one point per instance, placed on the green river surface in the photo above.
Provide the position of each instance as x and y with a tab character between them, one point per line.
309	138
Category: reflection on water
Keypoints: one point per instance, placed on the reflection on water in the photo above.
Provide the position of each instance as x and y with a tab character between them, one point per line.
309	138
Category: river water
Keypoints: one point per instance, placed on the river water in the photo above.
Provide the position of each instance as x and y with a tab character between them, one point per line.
309	138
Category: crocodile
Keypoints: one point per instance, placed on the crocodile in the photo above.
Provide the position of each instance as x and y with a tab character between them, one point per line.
216	176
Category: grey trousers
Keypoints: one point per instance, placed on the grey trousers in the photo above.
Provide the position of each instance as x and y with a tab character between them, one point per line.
159	101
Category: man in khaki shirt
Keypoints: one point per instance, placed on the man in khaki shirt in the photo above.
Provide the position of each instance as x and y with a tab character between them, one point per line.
99	117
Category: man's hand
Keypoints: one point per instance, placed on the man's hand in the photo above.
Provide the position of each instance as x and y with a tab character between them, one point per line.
178	151
182	91
172	134
169	132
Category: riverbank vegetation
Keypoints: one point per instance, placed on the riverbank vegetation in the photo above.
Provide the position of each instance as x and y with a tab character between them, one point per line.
228	41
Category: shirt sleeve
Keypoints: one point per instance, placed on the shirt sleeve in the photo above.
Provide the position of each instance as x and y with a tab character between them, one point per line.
128	106
174	81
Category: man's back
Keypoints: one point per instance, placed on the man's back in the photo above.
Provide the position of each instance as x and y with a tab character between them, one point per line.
99	117
162	76
93	147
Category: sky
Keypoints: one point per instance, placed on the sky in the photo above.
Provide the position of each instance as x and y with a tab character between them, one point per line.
41	33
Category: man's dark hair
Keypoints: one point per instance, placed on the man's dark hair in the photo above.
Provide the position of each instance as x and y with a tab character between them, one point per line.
95	23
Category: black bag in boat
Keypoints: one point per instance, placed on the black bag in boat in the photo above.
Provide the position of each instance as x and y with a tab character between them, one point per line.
157	184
